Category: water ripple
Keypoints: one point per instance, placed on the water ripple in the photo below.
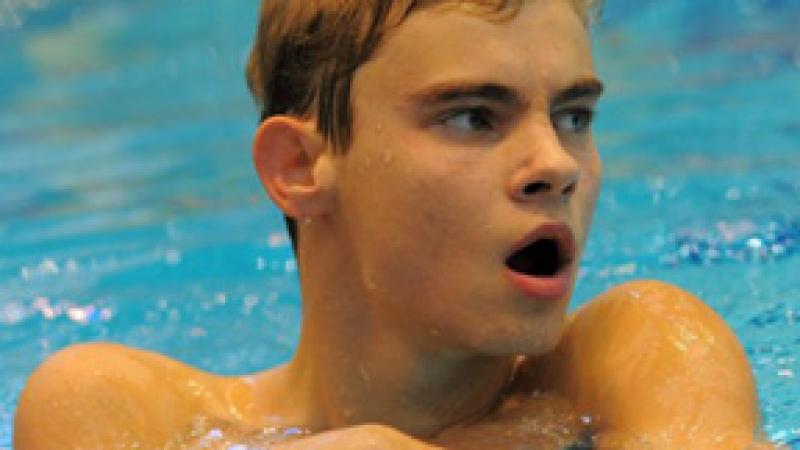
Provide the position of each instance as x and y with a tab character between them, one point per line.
742	241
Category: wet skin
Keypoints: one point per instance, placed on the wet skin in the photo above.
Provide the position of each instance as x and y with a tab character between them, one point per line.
410	319
447	136
623	359
426	205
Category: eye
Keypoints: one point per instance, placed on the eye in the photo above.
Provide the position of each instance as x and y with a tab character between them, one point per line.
470	120
573	121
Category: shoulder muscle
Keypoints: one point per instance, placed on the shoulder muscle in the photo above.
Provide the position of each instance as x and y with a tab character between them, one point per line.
649	359
93	395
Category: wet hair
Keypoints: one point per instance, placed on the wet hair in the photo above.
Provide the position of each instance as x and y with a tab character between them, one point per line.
306	53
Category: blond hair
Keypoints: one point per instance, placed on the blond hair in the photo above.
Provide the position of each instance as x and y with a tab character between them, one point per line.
307	51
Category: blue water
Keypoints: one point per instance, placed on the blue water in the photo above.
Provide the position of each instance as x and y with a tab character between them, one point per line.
129	210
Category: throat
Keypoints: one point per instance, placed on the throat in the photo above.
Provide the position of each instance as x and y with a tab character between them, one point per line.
463	396
349	370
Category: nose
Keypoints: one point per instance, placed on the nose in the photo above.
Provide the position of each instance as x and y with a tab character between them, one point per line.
548	171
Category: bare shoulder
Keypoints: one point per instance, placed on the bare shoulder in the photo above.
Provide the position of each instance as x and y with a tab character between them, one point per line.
648	327
653	363
663	319
93	395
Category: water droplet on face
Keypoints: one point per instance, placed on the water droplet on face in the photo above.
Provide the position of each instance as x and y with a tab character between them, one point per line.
362	370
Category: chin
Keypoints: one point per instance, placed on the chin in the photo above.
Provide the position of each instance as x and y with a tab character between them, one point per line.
541	344
523	339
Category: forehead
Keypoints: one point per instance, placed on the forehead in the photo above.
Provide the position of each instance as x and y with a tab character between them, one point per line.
543	45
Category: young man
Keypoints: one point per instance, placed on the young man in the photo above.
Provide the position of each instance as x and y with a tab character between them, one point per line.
437	161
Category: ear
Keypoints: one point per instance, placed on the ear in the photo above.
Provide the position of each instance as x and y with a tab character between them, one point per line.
294	166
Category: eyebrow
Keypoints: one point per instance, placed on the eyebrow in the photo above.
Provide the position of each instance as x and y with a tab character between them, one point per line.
585	88
452	92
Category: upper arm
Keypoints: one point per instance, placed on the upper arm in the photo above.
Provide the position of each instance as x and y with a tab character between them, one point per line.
652	362
92	396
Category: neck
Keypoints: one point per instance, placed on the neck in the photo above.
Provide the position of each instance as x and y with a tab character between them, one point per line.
354	367
366	376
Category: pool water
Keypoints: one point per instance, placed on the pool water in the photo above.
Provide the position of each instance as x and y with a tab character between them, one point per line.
129	210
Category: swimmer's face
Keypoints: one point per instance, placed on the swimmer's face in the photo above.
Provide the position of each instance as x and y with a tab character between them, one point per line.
468	136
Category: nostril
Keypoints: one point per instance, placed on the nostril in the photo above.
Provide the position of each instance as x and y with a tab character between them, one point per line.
535	188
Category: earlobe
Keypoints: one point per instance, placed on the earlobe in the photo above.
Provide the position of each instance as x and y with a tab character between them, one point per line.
291	159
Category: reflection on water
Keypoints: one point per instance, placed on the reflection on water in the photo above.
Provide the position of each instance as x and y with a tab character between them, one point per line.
12	12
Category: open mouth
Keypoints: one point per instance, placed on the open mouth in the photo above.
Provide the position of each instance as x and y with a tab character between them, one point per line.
539	259
545	255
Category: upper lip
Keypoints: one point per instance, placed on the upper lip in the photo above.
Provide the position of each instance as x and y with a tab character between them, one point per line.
557	231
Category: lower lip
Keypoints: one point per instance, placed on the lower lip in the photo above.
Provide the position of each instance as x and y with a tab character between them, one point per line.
554	287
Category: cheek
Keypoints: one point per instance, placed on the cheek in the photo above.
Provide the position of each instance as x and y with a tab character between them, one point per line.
438	209
595	173
588	191
591	171
393	206
435	213
592	177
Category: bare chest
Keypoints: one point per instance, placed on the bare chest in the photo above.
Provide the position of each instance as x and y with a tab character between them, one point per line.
528	421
